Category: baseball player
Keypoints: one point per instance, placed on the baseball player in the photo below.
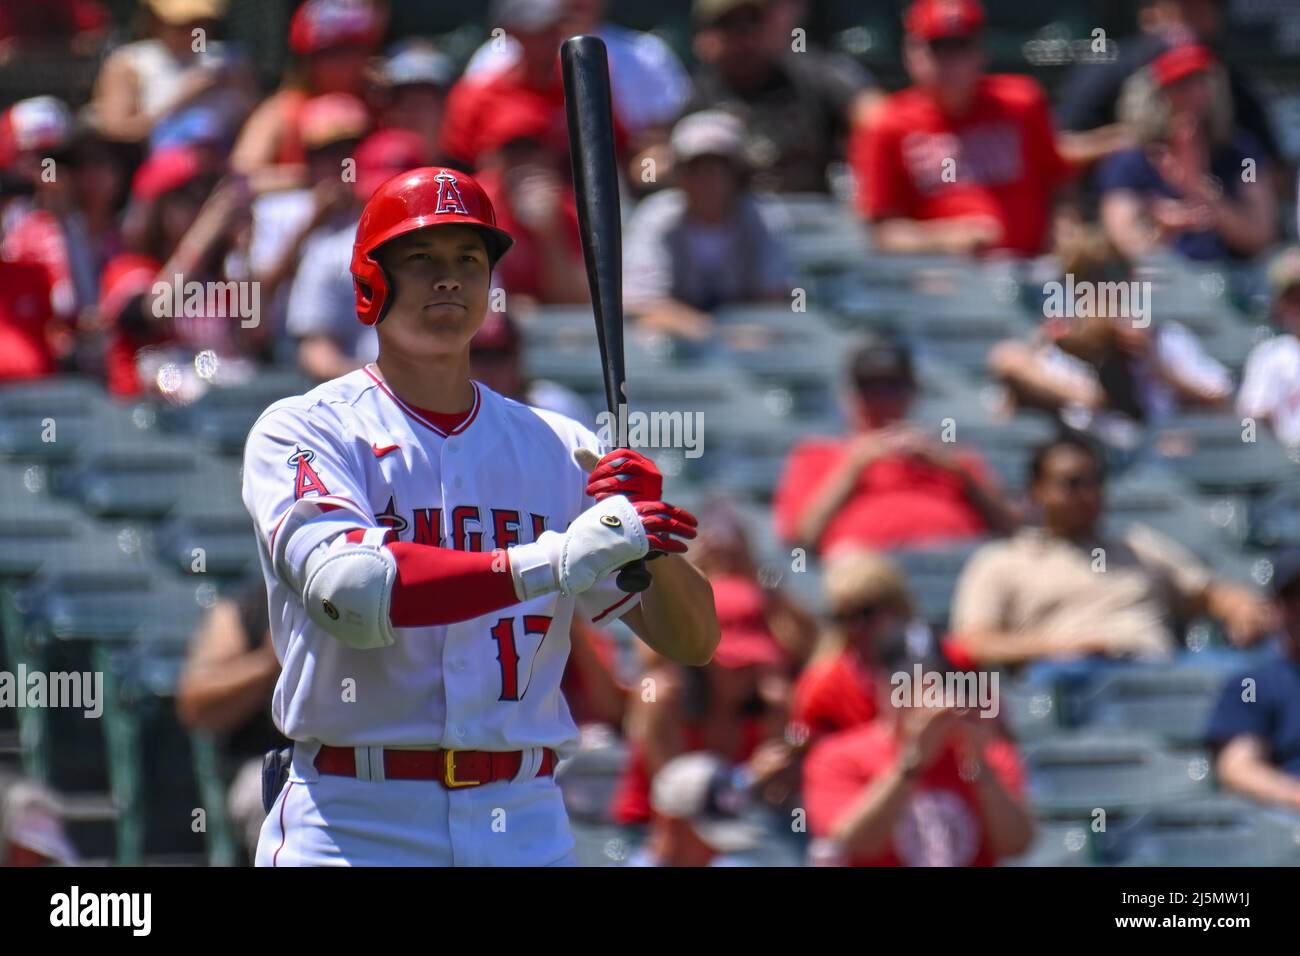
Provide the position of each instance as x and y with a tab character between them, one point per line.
425	544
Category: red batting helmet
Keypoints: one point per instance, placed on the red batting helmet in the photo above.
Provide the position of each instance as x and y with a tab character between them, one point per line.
429	196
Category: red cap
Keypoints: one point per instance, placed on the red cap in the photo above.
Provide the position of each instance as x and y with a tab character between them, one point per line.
167	169
746	639
931	20
1181	62
384	154
320	24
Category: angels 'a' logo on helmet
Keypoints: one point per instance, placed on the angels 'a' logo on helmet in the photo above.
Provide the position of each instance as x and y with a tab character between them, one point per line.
449	197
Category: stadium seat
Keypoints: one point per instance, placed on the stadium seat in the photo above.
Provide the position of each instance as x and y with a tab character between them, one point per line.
1029	712
931	574
588	780
1209	451
1172	702
1214	831
1076	774
1057	844
220	420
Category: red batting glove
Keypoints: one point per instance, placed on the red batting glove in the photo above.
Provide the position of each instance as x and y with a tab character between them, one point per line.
662	522
626	472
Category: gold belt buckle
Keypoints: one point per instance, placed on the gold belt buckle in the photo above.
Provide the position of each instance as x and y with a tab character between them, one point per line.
449	777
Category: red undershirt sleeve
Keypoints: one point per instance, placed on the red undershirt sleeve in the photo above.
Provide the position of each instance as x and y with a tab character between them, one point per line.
442	586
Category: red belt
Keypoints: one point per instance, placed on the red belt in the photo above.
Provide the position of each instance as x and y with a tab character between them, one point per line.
452	768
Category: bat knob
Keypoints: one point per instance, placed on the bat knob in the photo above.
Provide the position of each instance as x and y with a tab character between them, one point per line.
634	577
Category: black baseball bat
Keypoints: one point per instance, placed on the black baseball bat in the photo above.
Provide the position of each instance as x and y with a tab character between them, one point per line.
585	68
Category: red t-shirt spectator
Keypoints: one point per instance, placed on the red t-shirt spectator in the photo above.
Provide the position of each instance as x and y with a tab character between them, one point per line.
25	322
941	825
898	501
631	802
37	238
521	271
484	114
834	694
1004	161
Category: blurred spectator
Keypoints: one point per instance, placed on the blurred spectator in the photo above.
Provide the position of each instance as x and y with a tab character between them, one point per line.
226	689
332	41
32	338
31	826
590	685
1143	368
1184	183
527	180
182	223
745	596
698	801
170	88
797	107
1068	589
330	127
705	242
76	25
68	225
870	609
918	786
1255	727
961	161
415	80
488	110
648	85
887	484
735	707
322	314
1088	104
496	359
1270	386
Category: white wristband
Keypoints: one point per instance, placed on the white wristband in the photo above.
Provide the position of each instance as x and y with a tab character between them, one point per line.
533	566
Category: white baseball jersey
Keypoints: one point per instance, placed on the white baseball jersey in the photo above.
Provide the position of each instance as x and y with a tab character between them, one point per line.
352	449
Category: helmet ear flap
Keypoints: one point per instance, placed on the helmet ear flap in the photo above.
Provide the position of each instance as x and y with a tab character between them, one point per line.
371	287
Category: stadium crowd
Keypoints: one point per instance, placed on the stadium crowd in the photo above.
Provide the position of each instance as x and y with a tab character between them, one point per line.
182	164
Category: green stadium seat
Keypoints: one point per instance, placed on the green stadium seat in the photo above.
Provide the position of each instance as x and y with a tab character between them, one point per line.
1076	774
1217	831
1171	702
931	574
1057	844
1208	451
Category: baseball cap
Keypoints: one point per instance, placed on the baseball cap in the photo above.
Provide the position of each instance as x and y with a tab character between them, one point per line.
708	133
856	579
746	640
331	118
165	170
877	356
529	16
1284	270
383	155
186	11
1181	62
932	20
41	123
498	333
320	24
414	63
707	12
702	789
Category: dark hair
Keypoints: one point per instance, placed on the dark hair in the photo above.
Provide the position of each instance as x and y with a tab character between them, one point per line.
878	355
1065	439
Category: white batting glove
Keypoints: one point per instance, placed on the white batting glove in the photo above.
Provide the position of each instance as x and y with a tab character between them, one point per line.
602	539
